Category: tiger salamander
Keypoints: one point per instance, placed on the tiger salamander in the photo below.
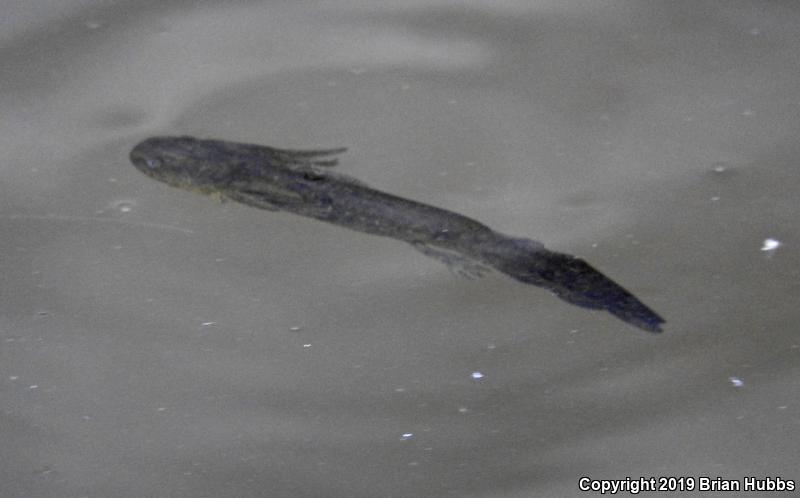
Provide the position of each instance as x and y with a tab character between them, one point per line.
301	182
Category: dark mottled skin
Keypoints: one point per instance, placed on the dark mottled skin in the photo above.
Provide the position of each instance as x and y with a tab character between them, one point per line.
300	182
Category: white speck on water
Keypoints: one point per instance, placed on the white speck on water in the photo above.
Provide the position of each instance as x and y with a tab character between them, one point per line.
92	24
84	219
770	244
476	375
782	407
306	345
123	205
33	386
400	390
13	377
747	112
715	198
295	328
207	324
754	31
490	346
406	436
719	169
463	409
736	381
162	408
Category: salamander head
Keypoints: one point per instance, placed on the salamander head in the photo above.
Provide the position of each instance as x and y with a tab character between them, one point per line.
183	162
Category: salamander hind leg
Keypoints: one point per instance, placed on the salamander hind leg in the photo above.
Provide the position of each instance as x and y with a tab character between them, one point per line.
456	262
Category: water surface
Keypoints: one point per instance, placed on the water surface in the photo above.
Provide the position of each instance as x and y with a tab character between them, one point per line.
154	343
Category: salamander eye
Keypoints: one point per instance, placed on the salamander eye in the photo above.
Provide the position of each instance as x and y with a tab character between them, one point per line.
153	163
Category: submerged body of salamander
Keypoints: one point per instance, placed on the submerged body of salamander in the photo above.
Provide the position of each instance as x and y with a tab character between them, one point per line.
301	182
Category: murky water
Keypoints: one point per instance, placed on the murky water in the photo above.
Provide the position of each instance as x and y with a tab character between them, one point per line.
155	343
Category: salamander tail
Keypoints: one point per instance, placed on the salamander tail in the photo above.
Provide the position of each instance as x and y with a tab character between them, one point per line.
573	280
